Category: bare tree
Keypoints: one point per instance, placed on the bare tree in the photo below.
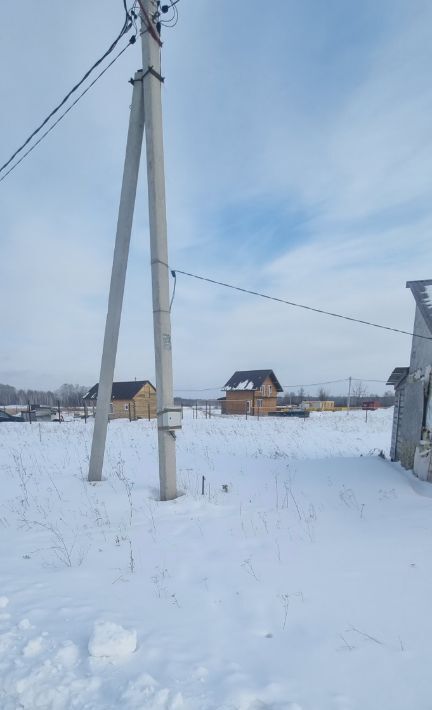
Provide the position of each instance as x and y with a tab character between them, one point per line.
323	395
358	391
71	395
7	394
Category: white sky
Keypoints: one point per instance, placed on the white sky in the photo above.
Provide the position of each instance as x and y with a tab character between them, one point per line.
298	152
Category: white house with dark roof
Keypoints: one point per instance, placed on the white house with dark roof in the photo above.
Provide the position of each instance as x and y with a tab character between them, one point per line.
251	392
412	419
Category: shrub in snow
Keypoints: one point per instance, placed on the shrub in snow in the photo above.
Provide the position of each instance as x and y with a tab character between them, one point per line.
110	640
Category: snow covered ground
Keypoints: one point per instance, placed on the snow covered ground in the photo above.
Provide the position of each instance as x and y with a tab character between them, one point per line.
305	585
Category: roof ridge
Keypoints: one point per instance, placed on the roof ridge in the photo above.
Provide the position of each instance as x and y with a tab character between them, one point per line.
251	379
423	299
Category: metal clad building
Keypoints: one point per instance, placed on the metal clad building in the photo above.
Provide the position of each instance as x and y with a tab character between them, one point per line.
413	391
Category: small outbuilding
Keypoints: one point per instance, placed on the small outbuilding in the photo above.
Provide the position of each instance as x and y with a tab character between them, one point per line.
317	405
412	419
129	400
251	392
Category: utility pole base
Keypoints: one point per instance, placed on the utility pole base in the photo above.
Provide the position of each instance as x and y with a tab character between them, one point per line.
167	463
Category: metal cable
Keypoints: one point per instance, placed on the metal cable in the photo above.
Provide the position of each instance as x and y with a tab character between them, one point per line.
126	27
60	118
300	305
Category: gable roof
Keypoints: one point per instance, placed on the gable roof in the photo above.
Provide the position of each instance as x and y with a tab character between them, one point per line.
396	377
251	380
120	390
422	292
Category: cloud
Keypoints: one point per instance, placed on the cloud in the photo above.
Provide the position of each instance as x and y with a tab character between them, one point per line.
297	161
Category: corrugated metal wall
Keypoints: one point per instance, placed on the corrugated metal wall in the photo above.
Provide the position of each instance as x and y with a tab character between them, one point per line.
397	417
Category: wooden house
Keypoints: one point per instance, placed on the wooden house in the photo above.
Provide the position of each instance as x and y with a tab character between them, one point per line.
251	392
129	400
412	418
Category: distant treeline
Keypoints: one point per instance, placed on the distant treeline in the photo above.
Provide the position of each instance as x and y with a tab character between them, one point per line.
67	395
71	396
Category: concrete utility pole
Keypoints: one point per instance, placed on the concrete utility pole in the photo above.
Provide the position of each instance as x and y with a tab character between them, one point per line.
118	277
168	418
146	100
349	394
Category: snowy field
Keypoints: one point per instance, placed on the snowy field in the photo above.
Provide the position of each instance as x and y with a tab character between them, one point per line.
305	585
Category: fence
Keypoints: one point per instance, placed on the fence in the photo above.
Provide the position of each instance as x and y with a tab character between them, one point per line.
211	408
247	408
130	410
33	412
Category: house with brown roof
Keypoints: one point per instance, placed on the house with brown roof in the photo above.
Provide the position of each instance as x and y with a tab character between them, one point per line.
129	400
251	392
412	418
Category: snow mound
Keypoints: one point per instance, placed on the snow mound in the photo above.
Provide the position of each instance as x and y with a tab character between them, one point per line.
110	640
33	647
67	655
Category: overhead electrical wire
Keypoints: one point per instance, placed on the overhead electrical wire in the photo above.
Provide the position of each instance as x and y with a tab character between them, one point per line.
332	382
128	23
316	384
62	115
364	379
297	305
286	387
192	389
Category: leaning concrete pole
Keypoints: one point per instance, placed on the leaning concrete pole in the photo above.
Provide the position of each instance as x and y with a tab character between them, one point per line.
152	79
118	277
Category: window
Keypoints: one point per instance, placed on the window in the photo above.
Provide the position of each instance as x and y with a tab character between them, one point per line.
262	389
248	405
126	407
259	403
269	390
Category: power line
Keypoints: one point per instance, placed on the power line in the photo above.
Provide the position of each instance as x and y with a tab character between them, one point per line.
190	389
333	382
126	27
286	387
316	384
299	305
363	379
61	117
